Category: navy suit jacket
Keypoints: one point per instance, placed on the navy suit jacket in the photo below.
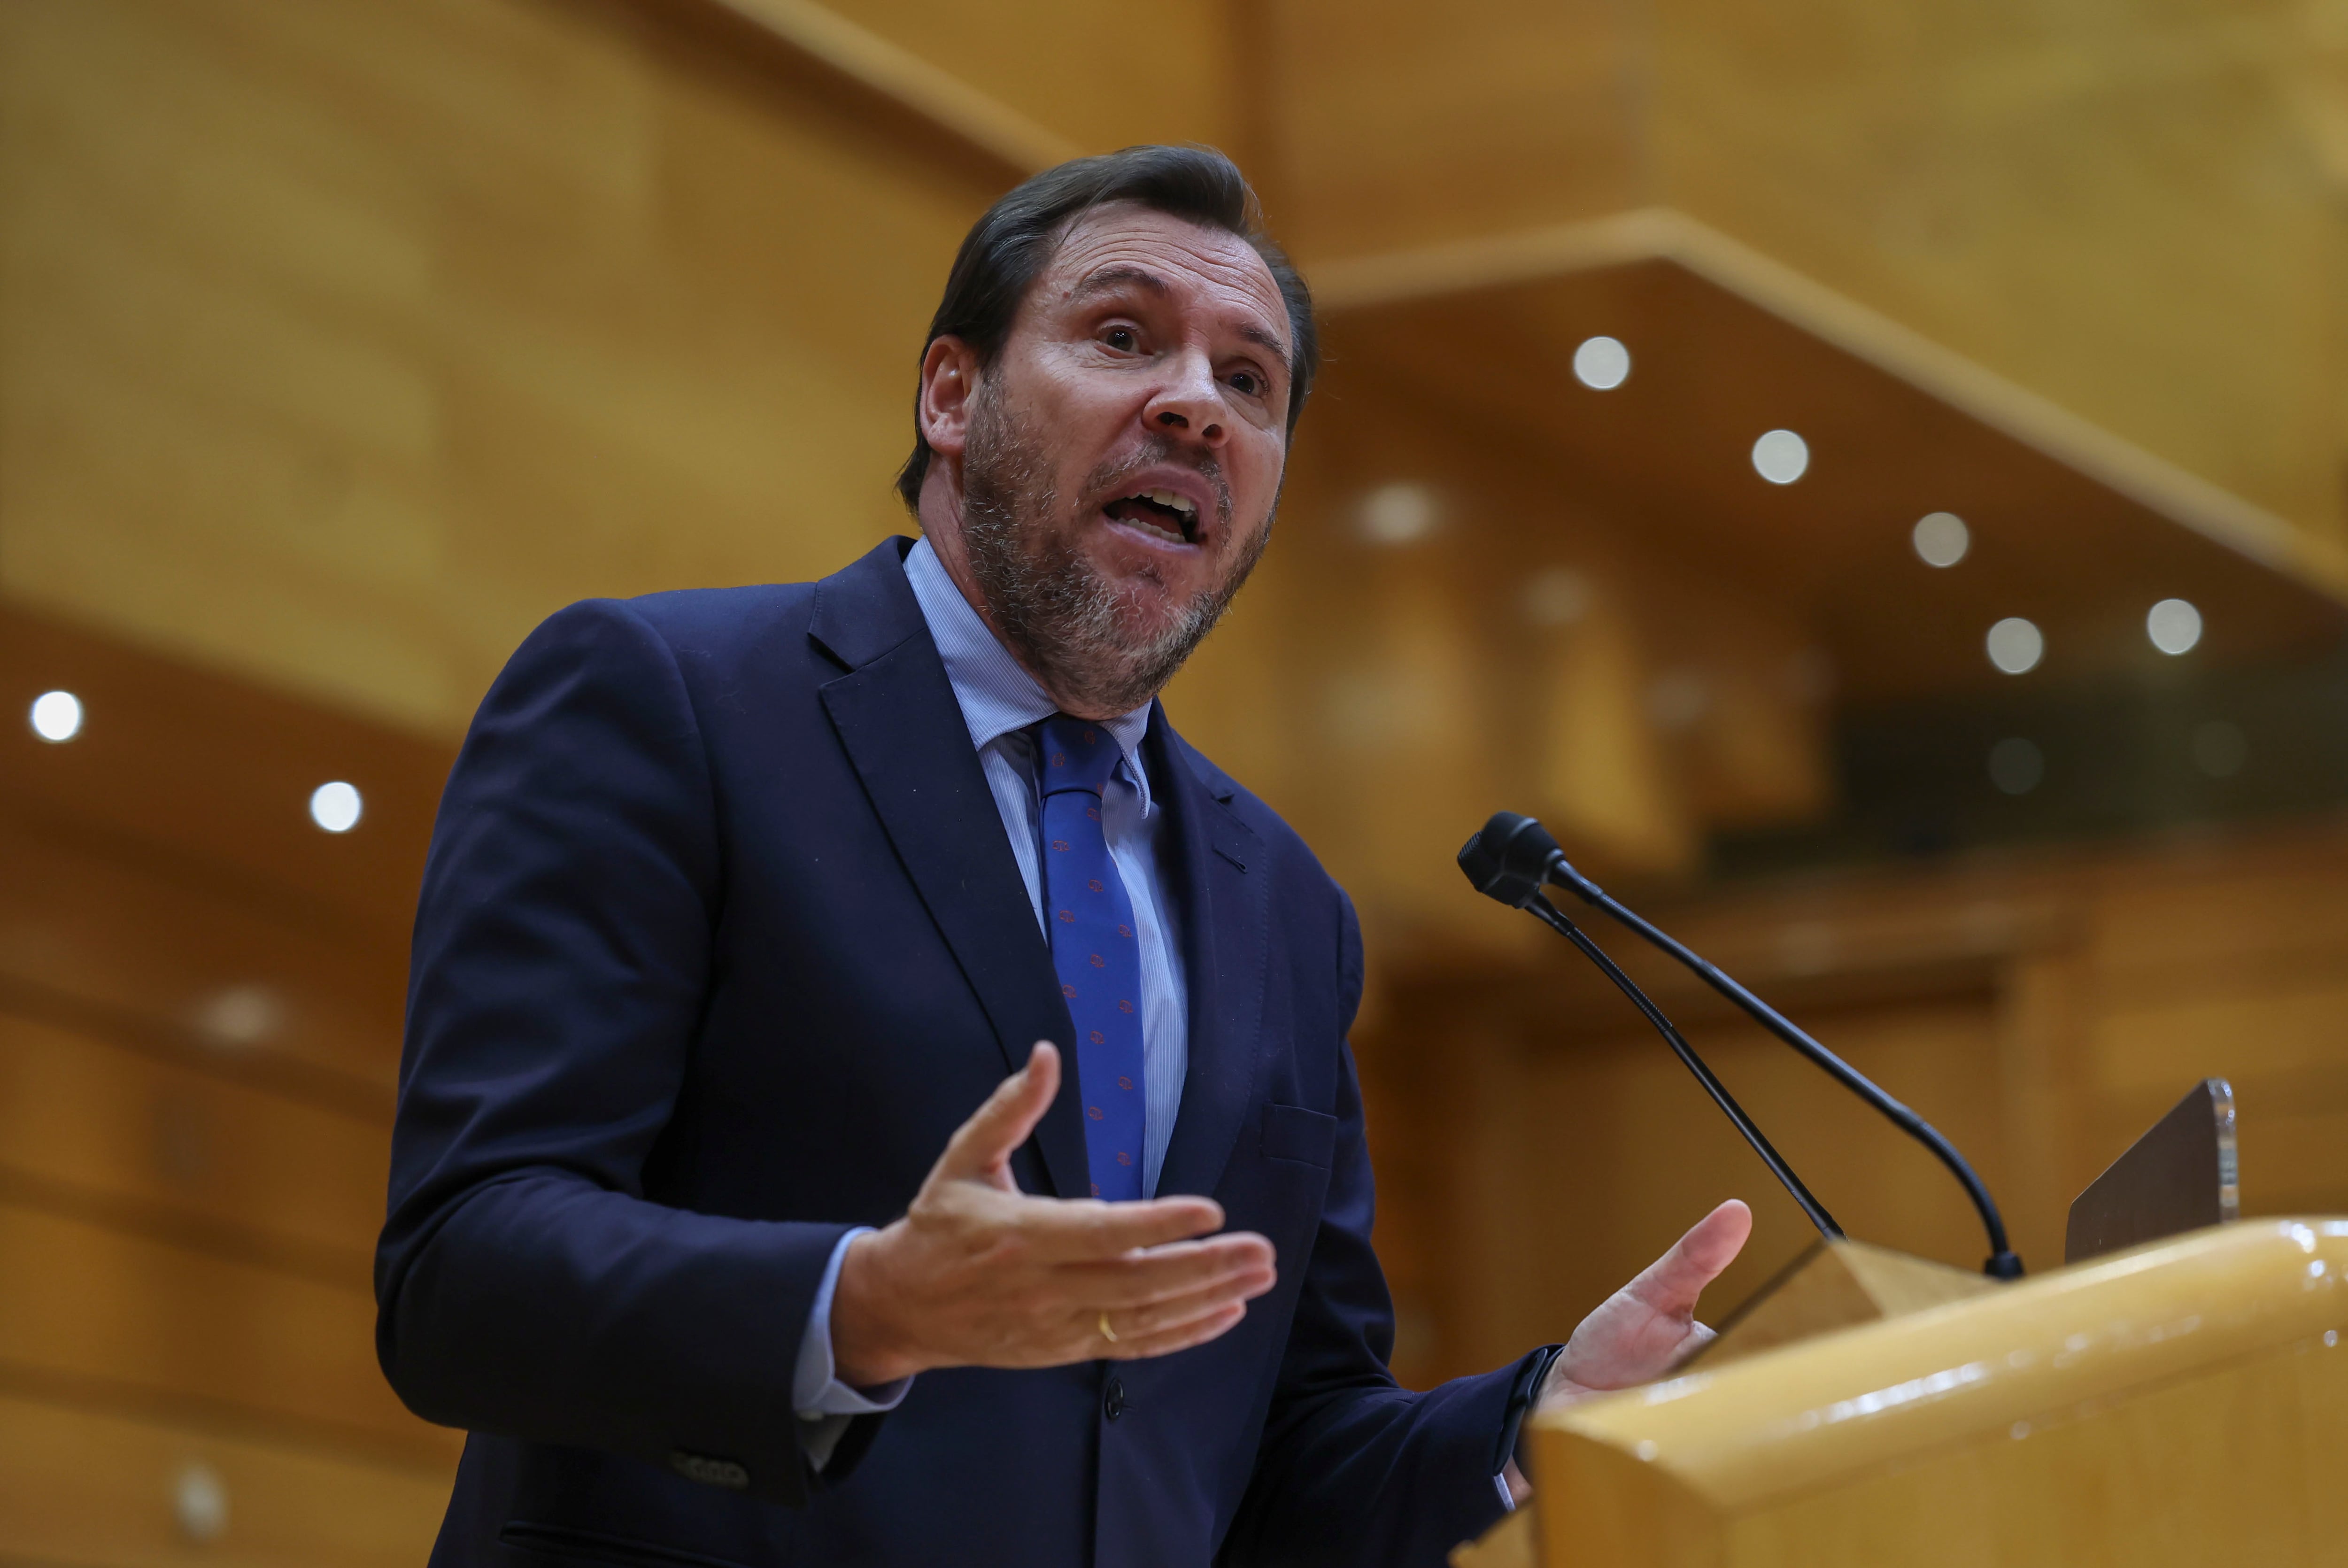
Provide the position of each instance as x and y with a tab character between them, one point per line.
720	940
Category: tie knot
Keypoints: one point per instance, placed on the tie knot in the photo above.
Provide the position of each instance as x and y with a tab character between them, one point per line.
1077	754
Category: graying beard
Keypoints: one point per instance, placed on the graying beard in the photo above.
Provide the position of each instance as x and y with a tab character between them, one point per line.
1067	624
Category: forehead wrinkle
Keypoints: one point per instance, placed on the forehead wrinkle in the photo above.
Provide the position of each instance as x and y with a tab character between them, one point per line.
1217	259
1116	275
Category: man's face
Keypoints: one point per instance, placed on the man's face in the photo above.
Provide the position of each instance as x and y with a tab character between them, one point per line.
1120	460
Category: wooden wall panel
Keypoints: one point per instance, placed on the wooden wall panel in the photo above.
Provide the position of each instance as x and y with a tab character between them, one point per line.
2266	1036
208	779
168	891
1104	76
2292	1164
2053	1120
1628	1152
111	1313
1397	125
1663	464
339	344
2135	213
2220	922
2043	1011
114	1134
94	936
83	1487
200	1011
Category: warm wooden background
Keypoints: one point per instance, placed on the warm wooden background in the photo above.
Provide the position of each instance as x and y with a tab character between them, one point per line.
339	343
2041	1011
199	1004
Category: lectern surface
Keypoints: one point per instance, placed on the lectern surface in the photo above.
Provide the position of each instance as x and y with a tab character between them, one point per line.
2186	1402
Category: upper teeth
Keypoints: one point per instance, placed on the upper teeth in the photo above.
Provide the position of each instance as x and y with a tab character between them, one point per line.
1181	503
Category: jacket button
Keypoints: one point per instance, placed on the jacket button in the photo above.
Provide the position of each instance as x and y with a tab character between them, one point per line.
1113	1402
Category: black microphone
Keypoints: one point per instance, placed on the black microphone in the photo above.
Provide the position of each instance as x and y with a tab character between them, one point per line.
1495	876
1511	858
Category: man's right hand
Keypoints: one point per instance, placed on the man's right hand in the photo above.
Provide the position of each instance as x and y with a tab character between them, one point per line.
979	1273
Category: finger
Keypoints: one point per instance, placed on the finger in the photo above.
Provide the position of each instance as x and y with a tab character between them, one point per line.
1699	1335
1672	1284
1140	1347
982	1144
1162	1273
1165	1317
1084	1230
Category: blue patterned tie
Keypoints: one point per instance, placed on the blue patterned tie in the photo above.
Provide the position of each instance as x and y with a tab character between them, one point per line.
1094	949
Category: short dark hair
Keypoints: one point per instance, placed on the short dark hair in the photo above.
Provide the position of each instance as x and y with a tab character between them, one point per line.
1006	248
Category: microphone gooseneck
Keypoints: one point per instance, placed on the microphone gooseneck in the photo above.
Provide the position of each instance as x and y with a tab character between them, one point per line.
1498	870
1556	920
1512	857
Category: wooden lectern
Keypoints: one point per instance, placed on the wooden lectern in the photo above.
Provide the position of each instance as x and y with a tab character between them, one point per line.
2185	1401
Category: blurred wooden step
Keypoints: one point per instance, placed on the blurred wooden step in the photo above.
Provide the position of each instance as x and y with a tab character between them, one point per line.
92	1130
98	1489
96	936
96	1312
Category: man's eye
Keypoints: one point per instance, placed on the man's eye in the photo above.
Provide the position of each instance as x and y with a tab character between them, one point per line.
1247	383
1120	339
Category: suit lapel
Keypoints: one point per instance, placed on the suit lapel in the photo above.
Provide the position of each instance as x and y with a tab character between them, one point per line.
897	719
1224	926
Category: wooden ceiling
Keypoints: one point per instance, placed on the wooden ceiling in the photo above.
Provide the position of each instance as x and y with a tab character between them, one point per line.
1667	458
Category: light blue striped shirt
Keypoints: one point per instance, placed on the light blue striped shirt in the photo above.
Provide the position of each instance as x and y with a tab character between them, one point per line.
1000	701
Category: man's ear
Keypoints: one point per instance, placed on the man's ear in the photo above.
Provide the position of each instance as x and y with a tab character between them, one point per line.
949	381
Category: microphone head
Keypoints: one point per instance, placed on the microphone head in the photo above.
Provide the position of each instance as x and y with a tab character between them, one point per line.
1508	858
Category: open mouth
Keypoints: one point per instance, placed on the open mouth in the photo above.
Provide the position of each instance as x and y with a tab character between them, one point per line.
1160	514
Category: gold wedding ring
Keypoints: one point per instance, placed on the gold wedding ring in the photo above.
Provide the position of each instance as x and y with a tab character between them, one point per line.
1106	1332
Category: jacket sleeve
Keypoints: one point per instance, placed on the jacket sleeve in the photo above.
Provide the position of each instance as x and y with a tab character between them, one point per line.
1355	1471
525	1286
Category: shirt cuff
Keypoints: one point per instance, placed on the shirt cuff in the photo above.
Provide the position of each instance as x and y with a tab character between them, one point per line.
824	1404
816	1390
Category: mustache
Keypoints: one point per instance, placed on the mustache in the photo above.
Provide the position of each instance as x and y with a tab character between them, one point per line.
1157	451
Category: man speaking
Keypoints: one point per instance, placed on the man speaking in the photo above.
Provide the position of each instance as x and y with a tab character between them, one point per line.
873	1094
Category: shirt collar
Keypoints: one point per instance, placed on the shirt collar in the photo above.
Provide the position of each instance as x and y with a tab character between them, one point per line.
997	696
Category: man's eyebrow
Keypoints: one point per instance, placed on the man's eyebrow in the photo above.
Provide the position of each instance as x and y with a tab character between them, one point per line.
1264	339
1108	280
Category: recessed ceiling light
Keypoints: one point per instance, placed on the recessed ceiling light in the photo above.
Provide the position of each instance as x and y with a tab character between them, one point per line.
56	715
1810	676
2174	625
336	806
2015	646
2016	766
1940	538
2220	749
1602	362
1677	700
1781	457
1556	596
199	1503
241	1015
1398	514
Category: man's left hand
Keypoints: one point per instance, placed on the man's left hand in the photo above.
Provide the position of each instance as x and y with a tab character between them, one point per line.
1647	1327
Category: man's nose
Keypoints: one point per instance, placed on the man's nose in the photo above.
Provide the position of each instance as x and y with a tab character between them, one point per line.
1189	405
